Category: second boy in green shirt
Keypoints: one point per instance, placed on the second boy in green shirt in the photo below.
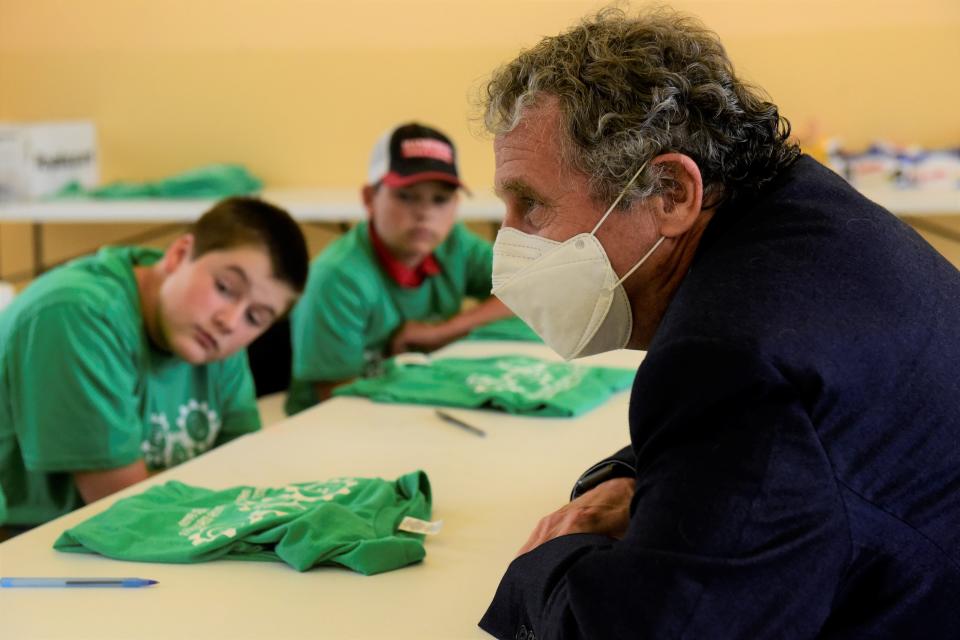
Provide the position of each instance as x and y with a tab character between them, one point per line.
396	282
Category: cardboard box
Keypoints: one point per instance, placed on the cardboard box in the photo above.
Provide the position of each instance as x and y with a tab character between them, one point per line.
38	159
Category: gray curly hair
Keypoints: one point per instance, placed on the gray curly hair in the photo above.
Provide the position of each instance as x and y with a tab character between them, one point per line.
630	89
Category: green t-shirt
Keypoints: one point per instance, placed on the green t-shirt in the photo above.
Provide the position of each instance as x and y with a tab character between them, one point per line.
351	522
351	307
210	181
515	384
506	329
82	389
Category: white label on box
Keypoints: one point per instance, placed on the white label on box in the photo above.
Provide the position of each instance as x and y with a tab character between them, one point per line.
39	159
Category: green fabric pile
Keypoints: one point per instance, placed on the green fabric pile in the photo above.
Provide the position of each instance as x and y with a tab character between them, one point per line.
212	181
351	522
515	384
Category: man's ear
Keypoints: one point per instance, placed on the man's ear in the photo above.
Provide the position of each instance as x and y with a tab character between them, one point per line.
179	251
682	199
368	192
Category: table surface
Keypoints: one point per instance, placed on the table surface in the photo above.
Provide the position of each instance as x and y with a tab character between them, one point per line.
306	205
343	205
490	492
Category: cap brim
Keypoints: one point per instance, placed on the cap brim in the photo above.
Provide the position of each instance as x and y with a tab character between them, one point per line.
396	180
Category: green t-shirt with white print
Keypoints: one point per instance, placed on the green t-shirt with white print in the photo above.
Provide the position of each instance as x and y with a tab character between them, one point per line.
514	384
352	522
83	389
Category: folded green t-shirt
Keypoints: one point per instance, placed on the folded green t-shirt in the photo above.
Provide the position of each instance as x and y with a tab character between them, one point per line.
506	329
344	521
515	384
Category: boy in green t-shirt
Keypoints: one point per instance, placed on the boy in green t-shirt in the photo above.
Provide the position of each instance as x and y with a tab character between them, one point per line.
131	359
396	282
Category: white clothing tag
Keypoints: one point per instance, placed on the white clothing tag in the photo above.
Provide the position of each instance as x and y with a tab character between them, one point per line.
416	525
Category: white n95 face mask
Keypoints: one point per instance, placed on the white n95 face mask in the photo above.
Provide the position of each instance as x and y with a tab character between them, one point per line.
567	292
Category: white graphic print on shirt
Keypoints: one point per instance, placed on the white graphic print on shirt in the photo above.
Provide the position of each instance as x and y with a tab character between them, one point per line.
203	525
536	380
192	432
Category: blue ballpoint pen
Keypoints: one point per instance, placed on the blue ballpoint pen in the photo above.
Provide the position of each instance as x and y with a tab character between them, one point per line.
123	583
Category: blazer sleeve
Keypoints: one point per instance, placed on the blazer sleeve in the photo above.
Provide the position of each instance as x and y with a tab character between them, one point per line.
622	464
737	526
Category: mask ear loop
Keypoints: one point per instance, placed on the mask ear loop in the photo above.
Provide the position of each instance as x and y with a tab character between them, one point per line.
640	262
619	198
604	217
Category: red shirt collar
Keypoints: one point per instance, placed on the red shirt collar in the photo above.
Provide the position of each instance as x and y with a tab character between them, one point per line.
407	277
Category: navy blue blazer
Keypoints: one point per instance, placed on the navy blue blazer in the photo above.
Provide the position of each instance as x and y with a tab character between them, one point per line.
795	433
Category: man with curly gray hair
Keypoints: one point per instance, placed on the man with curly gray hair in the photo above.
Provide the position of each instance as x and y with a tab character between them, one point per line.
794	468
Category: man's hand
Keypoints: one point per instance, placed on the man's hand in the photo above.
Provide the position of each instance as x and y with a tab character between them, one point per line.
419	336
605	509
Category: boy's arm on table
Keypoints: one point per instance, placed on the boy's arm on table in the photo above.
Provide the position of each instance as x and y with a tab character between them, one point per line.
94	485
426	336
324	389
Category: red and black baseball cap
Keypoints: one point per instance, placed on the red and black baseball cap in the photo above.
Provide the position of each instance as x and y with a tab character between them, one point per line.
411	153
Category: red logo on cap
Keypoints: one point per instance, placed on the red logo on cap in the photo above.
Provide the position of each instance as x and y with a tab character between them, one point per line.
427	148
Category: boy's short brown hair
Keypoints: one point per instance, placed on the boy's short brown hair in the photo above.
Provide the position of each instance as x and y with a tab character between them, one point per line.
241	221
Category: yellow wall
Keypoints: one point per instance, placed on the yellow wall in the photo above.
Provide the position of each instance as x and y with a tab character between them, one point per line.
298	90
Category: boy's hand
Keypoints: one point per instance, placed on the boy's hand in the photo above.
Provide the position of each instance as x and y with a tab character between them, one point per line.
419	336
426	337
